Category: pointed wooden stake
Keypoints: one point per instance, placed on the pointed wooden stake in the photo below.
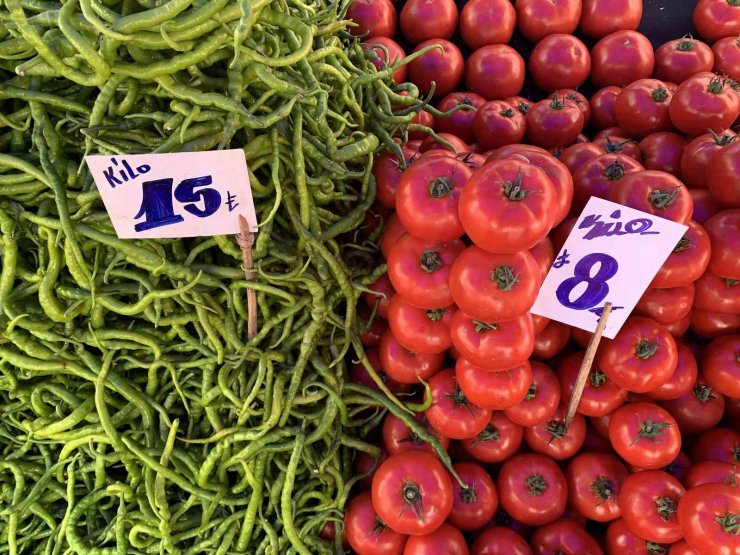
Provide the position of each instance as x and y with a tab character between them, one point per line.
245	238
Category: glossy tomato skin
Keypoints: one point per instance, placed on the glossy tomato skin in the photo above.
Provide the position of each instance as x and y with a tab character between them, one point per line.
724	176
602	107
532	489
495	71
418	483
621	58
392	231
708	325
721	367
428	195
727	56
577	155
583	104
425	332
655	192
507	206
380	293
687	262
500	541
397	437
620	539
360	375
544	254
683	378
642	108
493	390
600	397
717	294
560	61
498	441
715	19
537	19
594	482
549	342
703	516
422	20
402	365
641	357
645	435
699	410
710	472
649	500
564	536
431	144
724	233
663	151
482	284
445	68
704	102
603	17
679	59
419	270
365	534
682	548
459	123
666	305
600	175
554	439
554	122
445	540
718	444
474	507
451	413
374	18
497	123
679	327
699	151
387	170
484	22
493	346
395	54
541	401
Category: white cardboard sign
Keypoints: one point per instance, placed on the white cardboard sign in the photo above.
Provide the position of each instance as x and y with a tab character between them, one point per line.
612	255
186	194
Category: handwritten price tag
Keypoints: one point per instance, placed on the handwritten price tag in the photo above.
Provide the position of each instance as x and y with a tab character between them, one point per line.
612	255
187	194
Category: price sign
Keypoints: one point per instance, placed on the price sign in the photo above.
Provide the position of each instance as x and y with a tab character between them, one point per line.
187	194
611	256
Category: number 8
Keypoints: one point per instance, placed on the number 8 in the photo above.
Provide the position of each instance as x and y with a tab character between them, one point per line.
597	289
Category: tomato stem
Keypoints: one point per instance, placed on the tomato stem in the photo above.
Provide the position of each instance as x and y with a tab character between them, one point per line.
645	349
531	392
468	494
436	315
716	83
508	113
556	104
536	484
603	488
480	327
412	438
730	523
663	198
657	548
459	399
659	94
666	507
734	3
597	379
504	277
489	433
523	108
557	430
683	244
430	261
650	430
614	171
729	282
722	140
379	527
703	393
440	187
685	45
514	191
413	499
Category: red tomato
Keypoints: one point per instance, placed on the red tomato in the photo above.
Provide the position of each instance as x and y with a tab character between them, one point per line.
508	206
682	548
554	439
645	435
397	437
508	150
594	482
500	541
724	233
419	270
520	103
493	287
544	254
698	410
714	324
404	366
718	444
666	305
493	346
602	107
560	62
642	108
711	472
721	366
366	465
687	262
498	123
425	332
474	506
387	170
371	331
679	327
432	144
551	340
539	18
717	294
484	22
493	390
459	122
392	231
619	539
724	176
360	374
575	156
553	122
704	102
715	19
583	105
382	45
679	468
382	296
451	413
540	322
705	205
641	357
425	119
679	59
540	402
649	500
412	493
727	57
600	397
707	515
442	67
599	176
683	378
374	18
445	540
603	17
422	20
663	151
564	536
498	441
698	153
366	533
655	192
532	489
495	71
621	58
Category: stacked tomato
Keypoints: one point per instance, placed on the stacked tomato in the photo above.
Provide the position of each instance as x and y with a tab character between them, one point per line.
473	219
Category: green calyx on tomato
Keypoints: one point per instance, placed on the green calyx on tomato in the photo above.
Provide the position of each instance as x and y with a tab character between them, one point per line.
412	499
523	108
508	113
615	170
459	399
557	430
730	523
430	261
729	282
734	3
716	84
436	315
481	327
612	147
683	244
531	392
597	378
736	452
657	548
556	104
603	488
686	45
650	430
666	507
489	433
704	393
659	94
468	495
504	277
724	139
441	187
412	438
536	484
514	191
663	198
378	529
645	349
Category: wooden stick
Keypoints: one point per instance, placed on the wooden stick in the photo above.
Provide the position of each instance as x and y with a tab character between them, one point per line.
588	361
245	238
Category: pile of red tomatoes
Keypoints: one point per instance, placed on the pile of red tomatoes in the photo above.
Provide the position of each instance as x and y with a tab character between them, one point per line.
473	216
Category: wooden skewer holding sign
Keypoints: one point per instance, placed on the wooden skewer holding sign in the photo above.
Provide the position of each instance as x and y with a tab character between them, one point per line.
588	360
245	238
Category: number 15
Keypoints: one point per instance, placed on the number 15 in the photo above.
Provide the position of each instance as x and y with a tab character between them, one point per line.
156	203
